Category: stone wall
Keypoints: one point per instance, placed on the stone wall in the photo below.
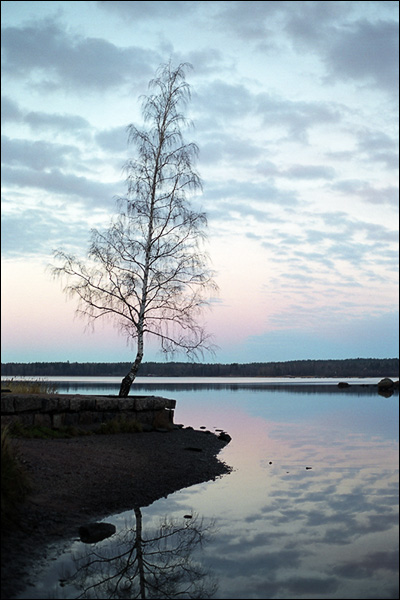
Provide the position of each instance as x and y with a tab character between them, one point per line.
62	410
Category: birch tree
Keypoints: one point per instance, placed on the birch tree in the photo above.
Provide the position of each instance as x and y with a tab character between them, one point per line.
149	272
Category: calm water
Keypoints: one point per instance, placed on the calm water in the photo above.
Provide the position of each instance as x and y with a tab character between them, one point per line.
310	509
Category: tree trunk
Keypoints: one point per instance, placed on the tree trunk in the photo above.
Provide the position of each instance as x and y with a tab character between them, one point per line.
127	381
125	386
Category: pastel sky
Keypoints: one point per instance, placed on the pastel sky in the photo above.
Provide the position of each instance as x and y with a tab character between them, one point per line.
295	112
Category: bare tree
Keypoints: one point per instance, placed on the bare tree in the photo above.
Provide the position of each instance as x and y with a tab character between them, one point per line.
148	271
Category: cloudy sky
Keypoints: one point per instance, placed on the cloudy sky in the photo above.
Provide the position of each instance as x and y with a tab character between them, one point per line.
295	111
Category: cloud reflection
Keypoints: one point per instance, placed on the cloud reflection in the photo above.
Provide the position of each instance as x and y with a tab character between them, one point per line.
305	530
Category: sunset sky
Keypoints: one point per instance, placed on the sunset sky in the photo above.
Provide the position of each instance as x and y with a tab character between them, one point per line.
295	112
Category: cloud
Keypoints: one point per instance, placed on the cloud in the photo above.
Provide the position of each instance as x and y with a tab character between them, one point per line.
251	20
297	116
229	102
347	224
228	148
88	191
317	244
309	172
39	121
225	101
11	112
39	231
36	155
367	192
311	24
113	140
351	47
234	201
378	147
368	52
206	61
53	59
134	11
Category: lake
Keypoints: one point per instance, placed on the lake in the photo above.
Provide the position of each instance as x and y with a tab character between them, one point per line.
310	509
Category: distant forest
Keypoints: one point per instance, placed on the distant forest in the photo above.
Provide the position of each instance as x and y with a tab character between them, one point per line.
352	367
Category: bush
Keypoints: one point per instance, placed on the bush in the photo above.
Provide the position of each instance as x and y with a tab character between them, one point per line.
15	483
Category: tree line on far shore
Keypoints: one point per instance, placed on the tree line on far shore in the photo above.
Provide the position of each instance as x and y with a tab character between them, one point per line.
353	367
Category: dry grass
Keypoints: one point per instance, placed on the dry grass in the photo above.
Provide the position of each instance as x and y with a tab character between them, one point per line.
29	386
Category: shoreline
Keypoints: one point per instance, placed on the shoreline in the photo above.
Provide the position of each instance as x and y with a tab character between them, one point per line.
79	480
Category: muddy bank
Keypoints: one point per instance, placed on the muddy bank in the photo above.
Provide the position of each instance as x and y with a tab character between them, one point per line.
86	478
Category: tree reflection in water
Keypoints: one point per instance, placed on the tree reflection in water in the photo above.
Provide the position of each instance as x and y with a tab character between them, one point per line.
132	565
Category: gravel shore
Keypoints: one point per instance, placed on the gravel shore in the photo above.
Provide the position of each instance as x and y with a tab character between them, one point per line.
83	479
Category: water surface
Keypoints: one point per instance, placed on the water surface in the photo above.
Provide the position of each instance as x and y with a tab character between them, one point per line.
310	509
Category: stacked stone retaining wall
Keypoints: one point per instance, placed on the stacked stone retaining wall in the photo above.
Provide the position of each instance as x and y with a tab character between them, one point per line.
63	410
